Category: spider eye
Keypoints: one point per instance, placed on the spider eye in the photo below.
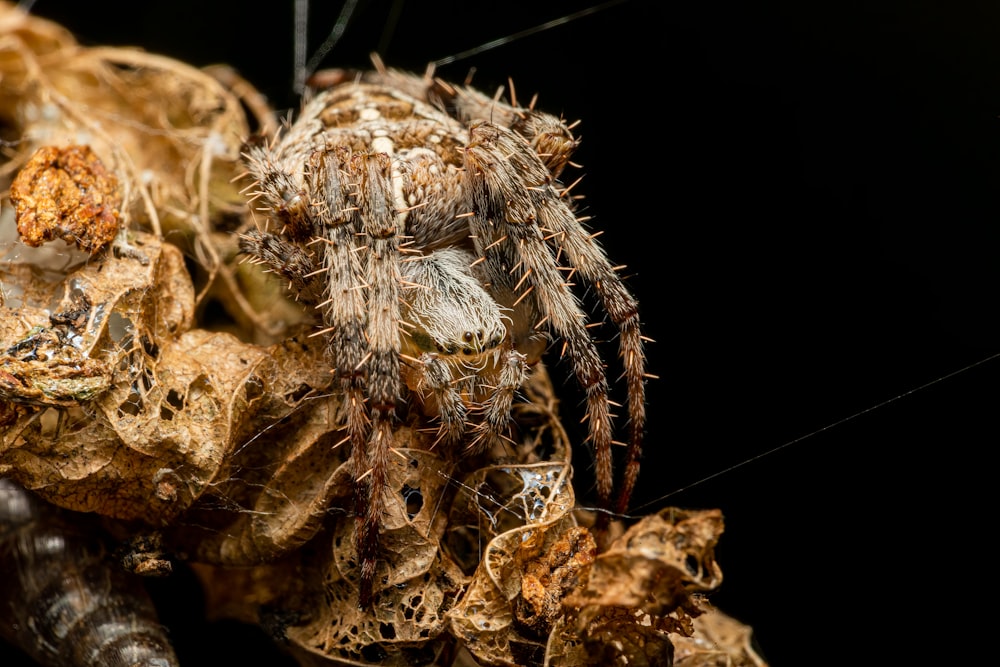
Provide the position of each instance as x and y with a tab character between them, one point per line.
467	336
466	351
479	335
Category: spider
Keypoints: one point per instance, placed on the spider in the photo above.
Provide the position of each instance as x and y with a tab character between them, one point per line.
426	224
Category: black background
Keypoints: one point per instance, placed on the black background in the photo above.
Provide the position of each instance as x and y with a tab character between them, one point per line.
806	195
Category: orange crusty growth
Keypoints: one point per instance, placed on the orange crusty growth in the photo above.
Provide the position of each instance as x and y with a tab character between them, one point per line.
66	193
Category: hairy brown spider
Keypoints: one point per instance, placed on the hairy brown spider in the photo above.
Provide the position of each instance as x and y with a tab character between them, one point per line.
426	224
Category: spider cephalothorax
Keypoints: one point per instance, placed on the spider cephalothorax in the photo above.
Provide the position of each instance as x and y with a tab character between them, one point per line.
426	225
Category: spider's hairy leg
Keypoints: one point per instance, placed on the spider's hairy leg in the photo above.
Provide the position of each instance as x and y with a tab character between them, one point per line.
289	260
286	198
344	305
335	265
433	374
496	408
506	182
379	221
591	263
286	201
554	144
548	136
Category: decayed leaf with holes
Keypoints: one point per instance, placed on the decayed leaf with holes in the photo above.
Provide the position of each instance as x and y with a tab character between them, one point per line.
442	508
144	422
283	471
93	315
640	592
310	596
417	582
521	512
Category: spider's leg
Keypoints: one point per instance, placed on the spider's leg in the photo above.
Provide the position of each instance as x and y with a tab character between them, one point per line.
496	408
288	260
591	263
286	201
344	305
329	226
379	223
433	375
505	181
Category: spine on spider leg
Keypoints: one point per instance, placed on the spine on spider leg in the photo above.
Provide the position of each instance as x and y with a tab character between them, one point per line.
62	600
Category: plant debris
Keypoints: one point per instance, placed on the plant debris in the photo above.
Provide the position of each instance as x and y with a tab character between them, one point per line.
66	193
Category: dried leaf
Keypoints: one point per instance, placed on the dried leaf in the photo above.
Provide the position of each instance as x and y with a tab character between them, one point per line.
520	510
640	592
717	641
147	442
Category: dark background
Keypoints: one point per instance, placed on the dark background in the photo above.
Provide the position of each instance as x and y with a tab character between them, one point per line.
806	195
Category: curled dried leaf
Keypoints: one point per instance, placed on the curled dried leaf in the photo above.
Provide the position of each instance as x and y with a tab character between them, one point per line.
521	512
140	423
656	564
718	640
640	592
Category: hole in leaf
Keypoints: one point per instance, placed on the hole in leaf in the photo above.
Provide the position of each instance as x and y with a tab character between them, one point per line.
414	500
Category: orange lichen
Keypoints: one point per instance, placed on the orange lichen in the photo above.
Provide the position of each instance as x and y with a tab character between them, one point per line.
66	193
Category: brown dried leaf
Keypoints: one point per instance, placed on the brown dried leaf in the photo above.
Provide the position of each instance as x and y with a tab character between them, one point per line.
416	583
522	510
718	640
640	591
657	563
147	444
282	471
